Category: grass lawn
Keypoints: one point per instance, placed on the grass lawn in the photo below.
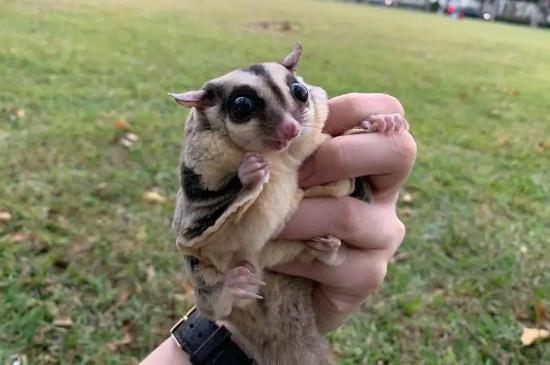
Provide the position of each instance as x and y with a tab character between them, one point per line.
84	260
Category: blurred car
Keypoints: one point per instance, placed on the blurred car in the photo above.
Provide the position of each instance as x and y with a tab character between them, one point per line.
466	8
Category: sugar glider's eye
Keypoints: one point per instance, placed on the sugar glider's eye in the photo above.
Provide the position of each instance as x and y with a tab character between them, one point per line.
241	109
299	91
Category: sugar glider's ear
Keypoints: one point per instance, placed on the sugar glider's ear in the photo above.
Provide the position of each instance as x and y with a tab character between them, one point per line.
291	60
190	99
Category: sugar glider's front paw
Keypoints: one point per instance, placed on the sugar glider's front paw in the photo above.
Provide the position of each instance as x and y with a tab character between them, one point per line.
385	123
328	250
254	170
242	286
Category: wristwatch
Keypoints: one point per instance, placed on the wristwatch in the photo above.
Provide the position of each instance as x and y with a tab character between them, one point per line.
206	342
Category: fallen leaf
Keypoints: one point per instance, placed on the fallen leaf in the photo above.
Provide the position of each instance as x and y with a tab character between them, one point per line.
153	197
126	340
4	217
79	248
20	236
399	256
504	141
122	124
406	212
20	113
122	298
64	322
128	139
18	360
151	273
407	198
531	335
542	146
131	137
541	312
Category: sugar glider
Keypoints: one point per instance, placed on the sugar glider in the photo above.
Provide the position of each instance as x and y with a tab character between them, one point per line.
246	136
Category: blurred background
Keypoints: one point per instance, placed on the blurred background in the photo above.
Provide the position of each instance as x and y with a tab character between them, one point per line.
533	12
89	144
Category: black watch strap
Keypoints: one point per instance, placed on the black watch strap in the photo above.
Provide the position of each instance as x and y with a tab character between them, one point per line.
206	342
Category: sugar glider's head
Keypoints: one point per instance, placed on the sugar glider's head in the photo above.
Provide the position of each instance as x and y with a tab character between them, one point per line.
262	107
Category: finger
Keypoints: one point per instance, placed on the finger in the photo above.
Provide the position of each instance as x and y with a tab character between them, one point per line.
372	226
363	270
355	155
347	111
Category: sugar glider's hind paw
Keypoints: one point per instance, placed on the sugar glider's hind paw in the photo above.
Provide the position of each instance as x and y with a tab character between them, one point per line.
328	250
242	285
381	123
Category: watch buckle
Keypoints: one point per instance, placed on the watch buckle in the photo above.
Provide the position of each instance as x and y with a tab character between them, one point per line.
183	319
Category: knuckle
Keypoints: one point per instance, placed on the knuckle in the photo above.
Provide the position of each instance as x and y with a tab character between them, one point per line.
397	236
407	148
391	235
377	275
368	278
348	218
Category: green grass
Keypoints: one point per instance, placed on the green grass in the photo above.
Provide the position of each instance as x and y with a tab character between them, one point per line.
476	259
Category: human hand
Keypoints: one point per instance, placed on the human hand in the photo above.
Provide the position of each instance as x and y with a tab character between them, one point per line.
373	231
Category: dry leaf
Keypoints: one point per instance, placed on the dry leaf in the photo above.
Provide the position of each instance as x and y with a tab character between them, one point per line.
18	360
122	298
20	236
126	340
128	139
79	248
64	322
541	146
153	197
504	141
150	271
541	312
407	198
132	137
125	143
122	125
406	212
4	217
20	113
530	335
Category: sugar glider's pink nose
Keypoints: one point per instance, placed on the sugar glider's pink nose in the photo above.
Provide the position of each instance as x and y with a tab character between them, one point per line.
289	128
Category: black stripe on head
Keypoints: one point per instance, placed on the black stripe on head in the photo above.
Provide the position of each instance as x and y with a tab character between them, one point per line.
214	93
276	90
260	71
